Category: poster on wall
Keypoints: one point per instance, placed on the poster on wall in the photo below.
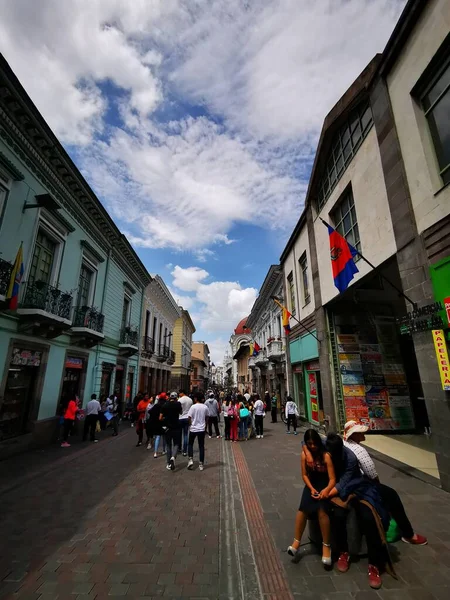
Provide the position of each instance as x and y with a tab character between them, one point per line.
350	362
440	347
26	358
312	382
372	375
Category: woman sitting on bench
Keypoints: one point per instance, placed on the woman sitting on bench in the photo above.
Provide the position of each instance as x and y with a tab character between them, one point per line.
319	479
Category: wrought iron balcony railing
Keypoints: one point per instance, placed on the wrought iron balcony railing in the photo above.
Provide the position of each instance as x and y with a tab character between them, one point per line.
163	350
43	296
129	336
5	276
171	357
90	318
148	345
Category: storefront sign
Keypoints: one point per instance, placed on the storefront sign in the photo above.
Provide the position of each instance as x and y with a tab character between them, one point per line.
350	362
354	390
352	377
73	362
297	369
313	366
442	358
447	309
26	358
422	319
312	381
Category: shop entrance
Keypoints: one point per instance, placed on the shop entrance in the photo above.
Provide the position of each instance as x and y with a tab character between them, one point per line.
314	392
16	409
74	378
377	371
299	390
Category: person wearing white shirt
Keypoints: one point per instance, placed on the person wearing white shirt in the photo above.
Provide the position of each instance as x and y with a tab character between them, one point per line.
291	415
93	409
198	416
226	420
186	404
259	413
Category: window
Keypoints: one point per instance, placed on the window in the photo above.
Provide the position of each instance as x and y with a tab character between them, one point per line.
304	271
85	286
344	218
5	185
126	312
344	147
436	104
155	324
43	258
291	290
147	322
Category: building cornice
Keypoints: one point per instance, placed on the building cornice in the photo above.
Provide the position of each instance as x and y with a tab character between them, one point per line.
272	282
26	132
12	170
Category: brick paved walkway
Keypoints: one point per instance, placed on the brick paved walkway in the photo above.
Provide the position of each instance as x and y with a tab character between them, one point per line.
109	520
113	523
424	572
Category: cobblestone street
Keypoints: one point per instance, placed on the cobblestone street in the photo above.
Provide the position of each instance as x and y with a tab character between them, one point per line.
111	521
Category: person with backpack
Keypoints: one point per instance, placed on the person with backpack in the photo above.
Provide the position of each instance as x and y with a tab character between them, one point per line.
244	413
170	417
291	415
214	411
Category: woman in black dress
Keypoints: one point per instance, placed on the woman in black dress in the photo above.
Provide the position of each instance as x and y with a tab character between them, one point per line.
319	481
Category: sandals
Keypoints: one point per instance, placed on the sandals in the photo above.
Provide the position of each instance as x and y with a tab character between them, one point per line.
326	560
293	551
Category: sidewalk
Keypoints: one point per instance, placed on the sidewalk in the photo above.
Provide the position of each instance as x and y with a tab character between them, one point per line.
424	572
114	523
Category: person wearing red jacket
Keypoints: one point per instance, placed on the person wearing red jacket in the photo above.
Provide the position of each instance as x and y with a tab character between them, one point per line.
70	414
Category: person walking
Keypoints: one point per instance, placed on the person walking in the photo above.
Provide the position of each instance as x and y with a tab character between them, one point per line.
186	404
273	408
141	410
214	411
93	410
170	416
291	415
244	413
226	419
70	414
136	400
198	416
156	425
233	415
147	424
259	417
112	408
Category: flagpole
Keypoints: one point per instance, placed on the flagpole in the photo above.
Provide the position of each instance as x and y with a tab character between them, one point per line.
400	292
295	319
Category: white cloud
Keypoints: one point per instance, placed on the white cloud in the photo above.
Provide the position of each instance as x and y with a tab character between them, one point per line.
219	305
189	279
268	70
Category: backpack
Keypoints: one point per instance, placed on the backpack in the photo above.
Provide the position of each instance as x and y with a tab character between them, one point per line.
244	412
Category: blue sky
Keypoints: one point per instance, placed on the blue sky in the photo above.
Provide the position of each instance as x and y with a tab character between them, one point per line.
195	122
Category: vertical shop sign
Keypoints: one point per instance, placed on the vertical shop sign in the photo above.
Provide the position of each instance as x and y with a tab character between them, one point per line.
312	380
447	309
442	358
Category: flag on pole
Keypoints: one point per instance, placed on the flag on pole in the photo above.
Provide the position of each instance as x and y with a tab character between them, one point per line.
252	349
256	348
285	316
342	264
15	281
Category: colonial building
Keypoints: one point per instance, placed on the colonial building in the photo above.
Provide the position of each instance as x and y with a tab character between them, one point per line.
380	178
76	327
159	314
268	366
183	331
200	373
412	118
217	375
240	351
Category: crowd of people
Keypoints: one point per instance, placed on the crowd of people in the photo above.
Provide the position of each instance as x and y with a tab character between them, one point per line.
339	475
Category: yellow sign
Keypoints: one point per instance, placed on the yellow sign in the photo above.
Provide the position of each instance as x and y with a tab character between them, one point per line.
442	358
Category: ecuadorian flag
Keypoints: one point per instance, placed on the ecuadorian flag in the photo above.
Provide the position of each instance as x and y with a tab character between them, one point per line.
15	281
285	316
342	264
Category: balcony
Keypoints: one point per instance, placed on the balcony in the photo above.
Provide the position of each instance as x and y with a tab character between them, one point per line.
162	353
252	362
261	360
171	357
87	326
5	277
129	341
148	347
45	310
275	352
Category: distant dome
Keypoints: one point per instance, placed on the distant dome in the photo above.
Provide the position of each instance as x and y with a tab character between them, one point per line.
241	329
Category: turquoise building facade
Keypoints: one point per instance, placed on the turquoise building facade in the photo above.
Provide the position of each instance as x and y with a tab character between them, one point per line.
76	329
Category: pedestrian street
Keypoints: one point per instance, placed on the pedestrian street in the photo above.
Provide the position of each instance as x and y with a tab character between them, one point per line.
109	520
